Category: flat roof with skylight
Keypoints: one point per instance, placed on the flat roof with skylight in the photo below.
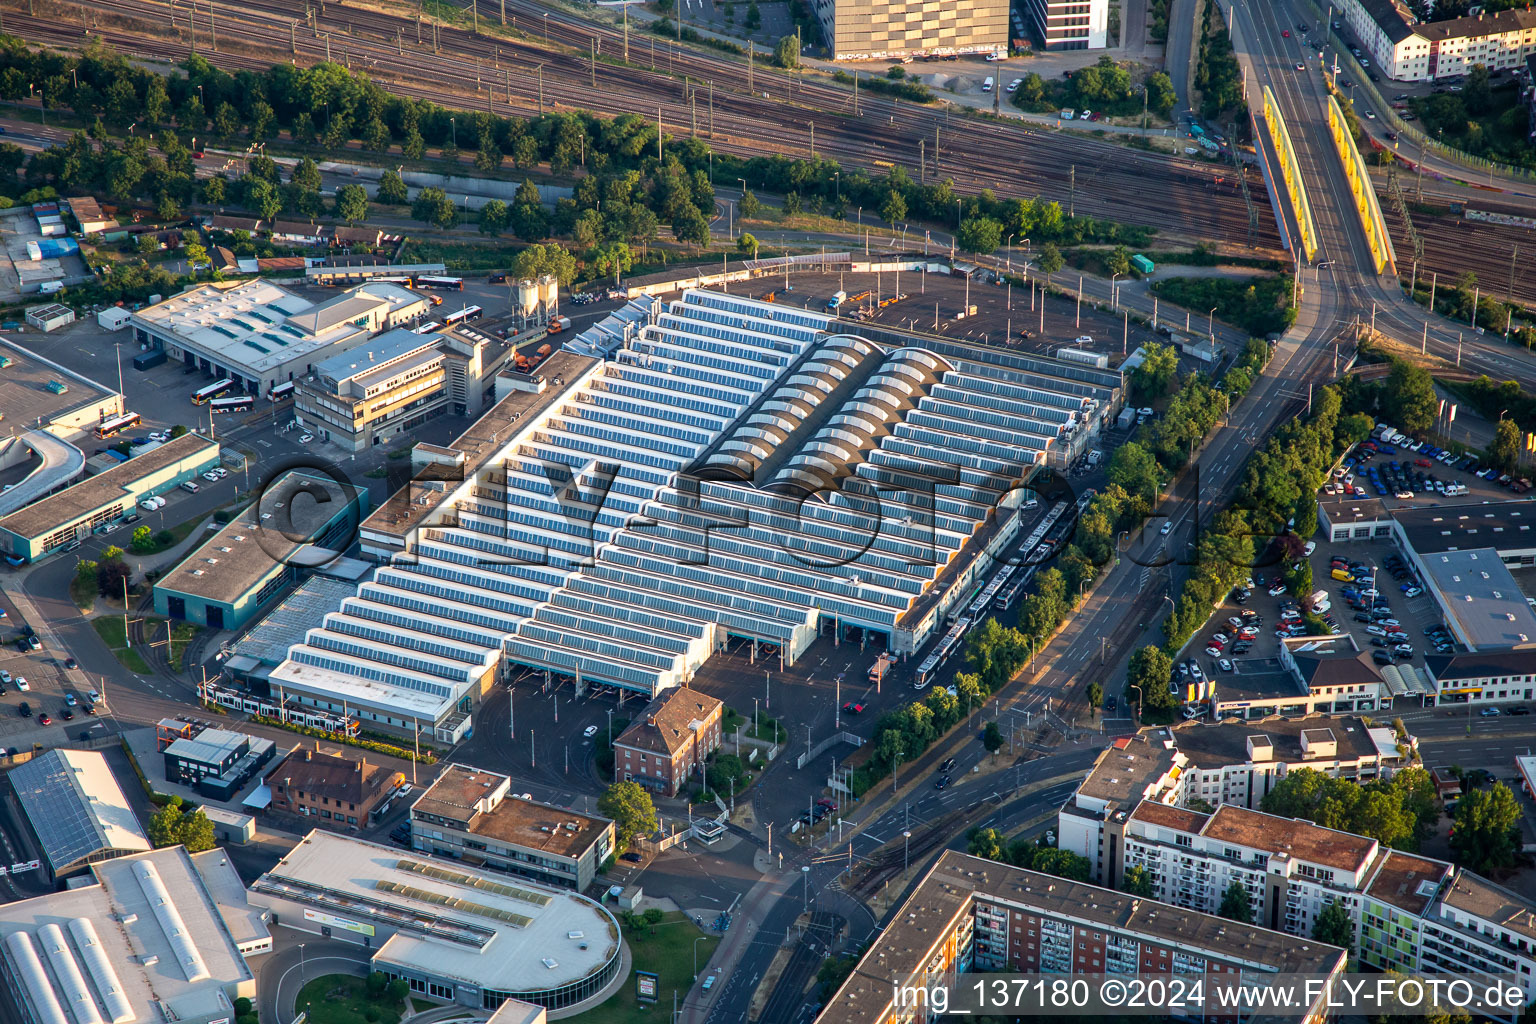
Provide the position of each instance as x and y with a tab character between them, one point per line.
1477	590
443	919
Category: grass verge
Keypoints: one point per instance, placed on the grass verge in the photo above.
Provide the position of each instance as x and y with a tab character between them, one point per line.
343	999
667	950
110	629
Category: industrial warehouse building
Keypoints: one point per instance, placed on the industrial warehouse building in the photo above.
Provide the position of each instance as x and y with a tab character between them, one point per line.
159	936
258	334
470	814
76	810
301	521
71	514
891	29
369	396
455	933
513	545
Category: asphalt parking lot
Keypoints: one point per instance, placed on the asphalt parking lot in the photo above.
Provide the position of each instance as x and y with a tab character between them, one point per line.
1418	472
1414	614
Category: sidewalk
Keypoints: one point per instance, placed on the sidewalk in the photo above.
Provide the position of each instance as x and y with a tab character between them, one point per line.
753	909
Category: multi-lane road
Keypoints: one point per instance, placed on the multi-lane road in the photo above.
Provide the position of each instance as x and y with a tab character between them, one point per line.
1342	282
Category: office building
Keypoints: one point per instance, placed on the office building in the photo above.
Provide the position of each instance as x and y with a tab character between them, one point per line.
76	810
892	29
1312	675
969	914
335	788
1409	50
669	740
300	522
67	516
1070	24
373	395
455	933
469	814
1482	677
216	762
152	938
258	334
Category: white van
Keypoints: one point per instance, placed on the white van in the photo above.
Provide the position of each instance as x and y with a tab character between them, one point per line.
986	86
189	486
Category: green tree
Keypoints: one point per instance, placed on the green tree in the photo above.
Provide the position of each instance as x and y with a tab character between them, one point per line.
630	807
1156	372
1334	927
494	217
1160	94
894	208
1505	450
786	54
1235	905
553	259
992	738
352	203
985	842
979	235
164	827
1032	89
1133	469
1137	882
112	575
392	189
1486	834
612	258
306	175
213	190
1148	674
1411	399
1476	94
1119	261
749	205
1095	696
1050	261
262	197
432	206
689	226
747	244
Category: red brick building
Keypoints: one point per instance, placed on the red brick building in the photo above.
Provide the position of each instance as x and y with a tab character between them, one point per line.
669	741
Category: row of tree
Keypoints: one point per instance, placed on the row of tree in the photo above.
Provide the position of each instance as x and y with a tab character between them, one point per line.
326	105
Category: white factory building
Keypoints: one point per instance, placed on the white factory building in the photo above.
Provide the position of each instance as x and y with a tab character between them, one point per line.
615	521
158	936
258	334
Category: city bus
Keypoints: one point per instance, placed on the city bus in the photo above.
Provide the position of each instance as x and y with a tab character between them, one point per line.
281	392
117	424
427	328
447	283
463	316
237	403
217	389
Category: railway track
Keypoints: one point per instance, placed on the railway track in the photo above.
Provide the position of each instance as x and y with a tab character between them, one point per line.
1453	246
504	76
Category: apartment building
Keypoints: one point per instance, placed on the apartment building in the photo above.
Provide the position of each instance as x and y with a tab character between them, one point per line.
372	394
669	740
974	914
470	814
1408	50
892	29
1410	913
1070	24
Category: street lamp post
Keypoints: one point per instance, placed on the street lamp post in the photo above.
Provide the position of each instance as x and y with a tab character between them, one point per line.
301	964
696	942
906	849
1210	322
1114	294
805	899
1139	696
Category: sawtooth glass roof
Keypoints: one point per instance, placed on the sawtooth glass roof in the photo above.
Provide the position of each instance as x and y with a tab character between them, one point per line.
589	546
